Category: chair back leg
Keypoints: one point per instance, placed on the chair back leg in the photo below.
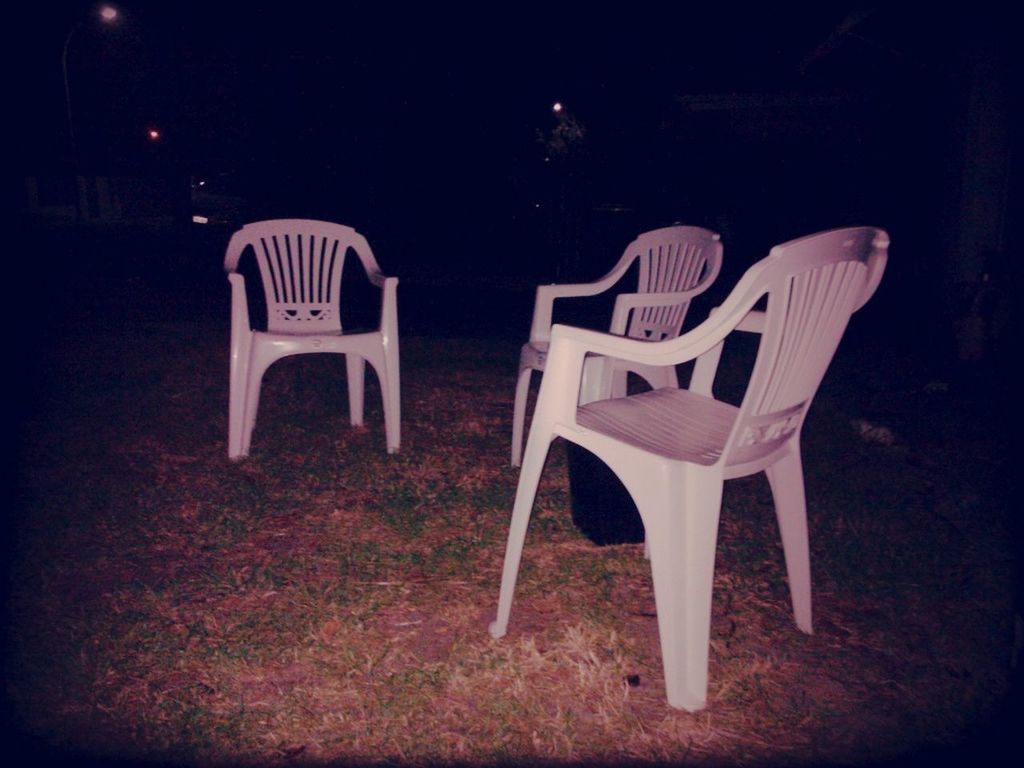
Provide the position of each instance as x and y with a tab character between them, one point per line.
257	367
519	414
355	367
786	478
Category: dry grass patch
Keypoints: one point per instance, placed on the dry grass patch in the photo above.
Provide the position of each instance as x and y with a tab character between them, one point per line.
325	602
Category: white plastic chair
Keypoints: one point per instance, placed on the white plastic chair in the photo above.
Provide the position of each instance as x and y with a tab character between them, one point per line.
300	262
676	264
673	448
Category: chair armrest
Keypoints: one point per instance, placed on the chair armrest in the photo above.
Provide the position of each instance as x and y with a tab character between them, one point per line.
377	279
388	307
543	304
682	349
388	304
563	380
239	305
233	253
753	322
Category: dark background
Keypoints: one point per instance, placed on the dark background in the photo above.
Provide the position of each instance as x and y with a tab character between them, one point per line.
430	130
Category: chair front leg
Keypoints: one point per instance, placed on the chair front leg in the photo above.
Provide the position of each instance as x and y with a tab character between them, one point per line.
241	354
241	349
390	380
526	492
556	402
681	521
391	390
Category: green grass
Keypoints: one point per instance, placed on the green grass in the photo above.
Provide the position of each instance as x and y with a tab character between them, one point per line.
323	601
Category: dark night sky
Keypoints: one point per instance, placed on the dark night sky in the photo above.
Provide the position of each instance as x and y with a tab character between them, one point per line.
427	111
267	82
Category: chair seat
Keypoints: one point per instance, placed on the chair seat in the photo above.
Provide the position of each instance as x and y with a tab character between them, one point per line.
327	336
674	423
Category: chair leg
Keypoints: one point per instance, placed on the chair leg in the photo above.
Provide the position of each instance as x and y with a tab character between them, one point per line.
519	414
241	345
391	391
355	367
529	477
786	478
682	531
252	401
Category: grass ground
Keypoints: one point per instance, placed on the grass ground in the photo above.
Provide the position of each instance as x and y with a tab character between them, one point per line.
324	602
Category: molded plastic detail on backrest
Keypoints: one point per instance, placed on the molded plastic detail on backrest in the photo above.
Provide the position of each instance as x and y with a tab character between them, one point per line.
671	259
811	295
301	262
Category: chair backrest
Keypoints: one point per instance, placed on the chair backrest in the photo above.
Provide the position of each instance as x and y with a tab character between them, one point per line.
301	262
813	285
671	259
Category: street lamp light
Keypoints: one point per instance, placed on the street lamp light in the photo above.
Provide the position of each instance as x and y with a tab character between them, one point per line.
108	14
